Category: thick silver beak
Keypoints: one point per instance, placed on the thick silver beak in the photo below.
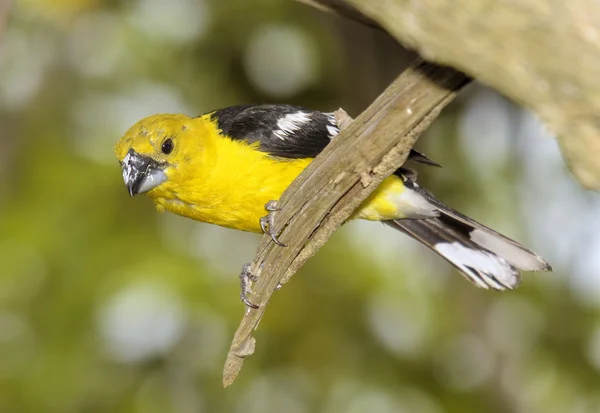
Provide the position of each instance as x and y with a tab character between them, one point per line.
141	173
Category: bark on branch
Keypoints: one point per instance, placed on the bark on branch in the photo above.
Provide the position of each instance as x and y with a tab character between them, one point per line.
338	180
544	54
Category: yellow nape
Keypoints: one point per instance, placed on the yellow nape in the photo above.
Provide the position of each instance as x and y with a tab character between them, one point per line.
227	182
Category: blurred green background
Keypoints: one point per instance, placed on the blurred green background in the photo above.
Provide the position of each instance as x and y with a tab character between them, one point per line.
108	306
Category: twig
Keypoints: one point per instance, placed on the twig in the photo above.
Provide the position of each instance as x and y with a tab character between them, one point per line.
543	54
344	9
338	180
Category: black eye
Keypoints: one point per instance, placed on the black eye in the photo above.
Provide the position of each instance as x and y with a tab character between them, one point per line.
167	147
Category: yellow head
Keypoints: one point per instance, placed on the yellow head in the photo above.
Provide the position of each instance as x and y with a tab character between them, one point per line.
157	152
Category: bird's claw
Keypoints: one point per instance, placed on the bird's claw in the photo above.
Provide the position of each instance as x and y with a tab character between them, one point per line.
246	279
267	223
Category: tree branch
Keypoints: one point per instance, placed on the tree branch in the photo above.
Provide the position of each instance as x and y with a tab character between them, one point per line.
344	9
338	180
544	54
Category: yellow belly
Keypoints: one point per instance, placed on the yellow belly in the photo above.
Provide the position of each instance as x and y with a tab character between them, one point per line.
240	180
242	206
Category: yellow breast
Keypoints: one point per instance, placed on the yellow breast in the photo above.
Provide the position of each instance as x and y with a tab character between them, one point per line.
231	181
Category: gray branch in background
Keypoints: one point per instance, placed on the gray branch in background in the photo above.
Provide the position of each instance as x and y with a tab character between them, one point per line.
343	9
544	54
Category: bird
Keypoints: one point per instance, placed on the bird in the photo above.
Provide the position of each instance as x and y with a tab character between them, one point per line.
230	166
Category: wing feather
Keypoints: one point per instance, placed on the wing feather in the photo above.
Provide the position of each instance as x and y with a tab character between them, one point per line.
285	131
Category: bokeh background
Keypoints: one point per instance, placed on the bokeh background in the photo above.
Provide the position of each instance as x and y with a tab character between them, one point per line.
108	306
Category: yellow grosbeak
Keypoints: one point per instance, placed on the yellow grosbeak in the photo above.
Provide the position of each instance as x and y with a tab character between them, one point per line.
225	166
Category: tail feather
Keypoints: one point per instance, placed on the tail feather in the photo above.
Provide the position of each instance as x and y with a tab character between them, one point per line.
482	255
512	251
420	157
480	266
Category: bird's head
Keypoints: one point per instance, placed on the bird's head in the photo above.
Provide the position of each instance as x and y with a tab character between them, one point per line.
153	152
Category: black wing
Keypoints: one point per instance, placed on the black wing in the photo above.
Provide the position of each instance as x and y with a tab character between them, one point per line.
285	131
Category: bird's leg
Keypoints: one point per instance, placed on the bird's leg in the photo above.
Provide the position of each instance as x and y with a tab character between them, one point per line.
267	223
247	278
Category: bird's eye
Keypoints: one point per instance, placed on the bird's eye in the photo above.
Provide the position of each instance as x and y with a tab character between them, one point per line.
167	147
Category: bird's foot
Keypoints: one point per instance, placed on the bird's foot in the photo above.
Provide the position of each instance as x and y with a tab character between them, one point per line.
246	279
267	223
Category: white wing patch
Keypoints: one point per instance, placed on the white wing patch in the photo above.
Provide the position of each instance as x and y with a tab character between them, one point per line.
290	123
332	130
483	268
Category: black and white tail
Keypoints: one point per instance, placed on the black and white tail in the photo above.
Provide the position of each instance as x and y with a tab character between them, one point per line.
482	255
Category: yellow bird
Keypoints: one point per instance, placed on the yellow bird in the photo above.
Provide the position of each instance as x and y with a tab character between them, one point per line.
227	166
